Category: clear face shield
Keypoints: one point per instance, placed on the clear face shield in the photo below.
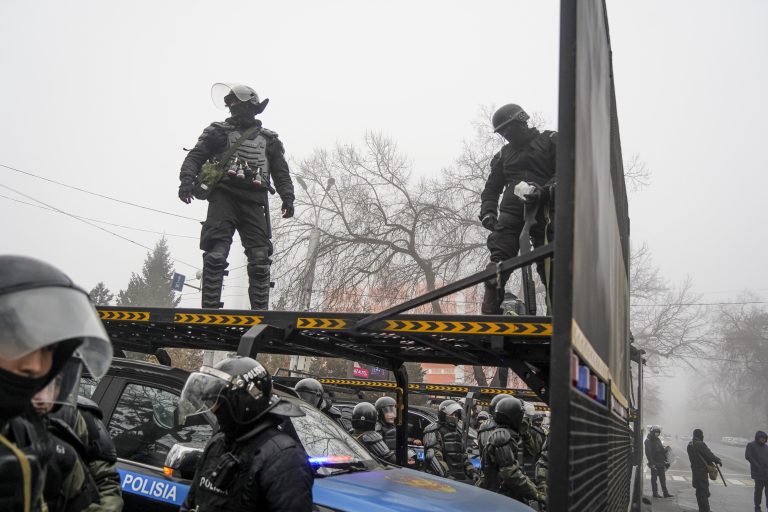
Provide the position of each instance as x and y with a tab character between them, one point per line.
202	391
224	95
61	391
311	397
453	414
38	318
389	413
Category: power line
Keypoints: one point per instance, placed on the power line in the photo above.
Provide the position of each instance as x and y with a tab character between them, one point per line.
97	194
90	223
99	220
700	304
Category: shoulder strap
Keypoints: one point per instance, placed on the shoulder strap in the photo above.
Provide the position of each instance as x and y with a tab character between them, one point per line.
231	151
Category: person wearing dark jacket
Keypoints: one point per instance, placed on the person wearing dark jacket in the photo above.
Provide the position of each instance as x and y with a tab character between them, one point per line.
700	455
757	455
528	158
657	461
238	201
253	462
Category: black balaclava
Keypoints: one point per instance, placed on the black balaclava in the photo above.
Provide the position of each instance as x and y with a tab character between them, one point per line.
698	434
17	391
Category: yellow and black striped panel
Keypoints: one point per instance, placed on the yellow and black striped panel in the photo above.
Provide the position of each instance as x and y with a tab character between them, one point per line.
214	319
457	327
323	324
522	393
359	383
124	316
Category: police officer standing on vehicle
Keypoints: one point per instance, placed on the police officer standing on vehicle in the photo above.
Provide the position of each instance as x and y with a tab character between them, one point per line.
529	156
249	157
501	469
444	451
364	417
32	354
311	391
252	463
387	413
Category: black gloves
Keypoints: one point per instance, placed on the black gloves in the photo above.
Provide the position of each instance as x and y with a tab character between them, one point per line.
185	190
489	221
287	209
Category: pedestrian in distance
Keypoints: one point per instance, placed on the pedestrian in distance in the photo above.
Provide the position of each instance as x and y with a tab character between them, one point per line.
700	456
757	455
657	461
232	166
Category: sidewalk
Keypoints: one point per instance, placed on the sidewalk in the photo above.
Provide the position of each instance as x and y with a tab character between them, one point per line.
722	499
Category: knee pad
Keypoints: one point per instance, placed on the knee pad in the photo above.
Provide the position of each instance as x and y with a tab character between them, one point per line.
258	261
216	258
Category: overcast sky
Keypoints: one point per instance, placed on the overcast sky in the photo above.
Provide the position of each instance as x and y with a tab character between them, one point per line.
104	95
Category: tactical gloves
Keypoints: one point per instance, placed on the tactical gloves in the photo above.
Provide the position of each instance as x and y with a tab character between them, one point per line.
287	209
185	190
489	221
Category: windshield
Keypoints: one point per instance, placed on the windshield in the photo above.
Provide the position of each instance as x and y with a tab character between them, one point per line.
328	445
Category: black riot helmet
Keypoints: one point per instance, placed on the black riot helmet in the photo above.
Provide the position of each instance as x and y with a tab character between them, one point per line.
495	400
447	410
507	114
509	412
364	417
384	405
238	390
311	391
238	98
43	315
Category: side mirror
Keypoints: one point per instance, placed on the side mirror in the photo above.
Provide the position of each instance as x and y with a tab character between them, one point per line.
181	461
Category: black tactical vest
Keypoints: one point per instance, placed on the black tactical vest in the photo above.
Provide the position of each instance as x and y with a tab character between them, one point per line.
26	439
226	471
389	433
453	451
253	151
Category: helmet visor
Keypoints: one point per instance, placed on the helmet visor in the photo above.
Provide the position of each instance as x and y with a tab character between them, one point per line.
221	91
41	317
311	397
201	392
62	390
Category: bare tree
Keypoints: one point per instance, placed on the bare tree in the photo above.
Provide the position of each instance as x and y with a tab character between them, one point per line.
665	320
385	236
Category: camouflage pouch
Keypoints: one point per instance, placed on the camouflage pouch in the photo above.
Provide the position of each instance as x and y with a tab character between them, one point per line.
213	170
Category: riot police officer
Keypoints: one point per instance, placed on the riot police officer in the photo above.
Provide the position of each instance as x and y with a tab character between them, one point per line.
387	413
311	391
501	469
78	421
253	156
444	451
529	156
364	417
252	463
487	427
32	353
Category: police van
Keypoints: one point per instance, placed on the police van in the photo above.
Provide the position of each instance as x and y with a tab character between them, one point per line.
157	455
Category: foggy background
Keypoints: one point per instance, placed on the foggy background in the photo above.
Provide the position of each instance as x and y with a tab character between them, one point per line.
104	95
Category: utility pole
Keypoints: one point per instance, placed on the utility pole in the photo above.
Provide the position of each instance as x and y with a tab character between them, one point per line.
305	302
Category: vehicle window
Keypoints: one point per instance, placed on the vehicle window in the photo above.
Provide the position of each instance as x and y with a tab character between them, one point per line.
144	425
87	386
416	425
323	437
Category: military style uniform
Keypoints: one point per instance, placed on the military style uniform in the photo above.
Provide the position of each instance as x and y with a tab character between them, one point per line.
268	471
375	444
20	438
388	433
444	453
534	162
501	470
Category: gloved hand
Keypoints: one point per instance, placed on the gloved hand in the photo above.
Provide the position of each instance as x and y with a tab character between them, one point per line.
489	221
666	465
185	190
287	209
541	498
541	194
524	426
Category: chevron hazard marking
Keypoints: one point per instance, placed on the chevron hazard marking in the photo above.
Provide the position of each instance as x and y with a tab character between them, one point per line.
125	316
210	319
361	383
457	327
323	324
